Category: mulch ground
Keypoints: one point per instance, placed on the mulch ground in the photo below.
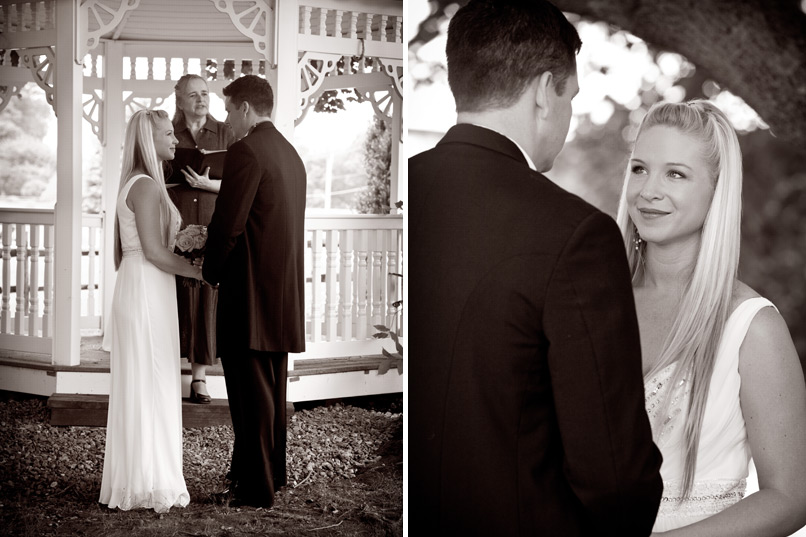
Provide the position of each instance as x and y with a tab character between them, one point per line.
345	463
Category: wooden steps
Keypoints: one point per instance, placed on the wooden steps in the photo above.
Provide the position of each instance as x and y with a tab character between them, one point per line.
91	411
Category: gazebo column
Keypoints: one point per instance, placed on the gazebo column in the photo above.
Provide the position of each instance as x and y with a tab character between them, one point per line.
286	94
395	193
67	279
113	124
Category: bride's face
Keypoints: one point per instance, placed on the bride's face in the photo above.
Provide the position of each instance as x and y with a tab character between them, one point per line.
670	187
164	139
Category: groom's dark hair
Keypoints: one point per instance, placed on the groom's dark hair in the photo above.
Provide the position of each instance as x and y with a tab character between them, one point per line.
254	90
497	47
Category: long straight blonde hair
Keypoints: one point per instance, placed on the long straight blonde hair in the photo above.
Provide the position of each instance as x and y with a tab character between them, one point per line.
706	302
139	153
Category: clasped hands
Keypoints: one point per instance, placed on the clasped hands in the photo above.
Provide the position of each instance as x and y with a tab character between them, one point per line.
198	262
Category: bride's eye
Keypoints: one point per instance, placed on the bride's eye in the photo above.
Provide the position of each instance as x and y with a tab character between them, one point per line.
638	169
674	174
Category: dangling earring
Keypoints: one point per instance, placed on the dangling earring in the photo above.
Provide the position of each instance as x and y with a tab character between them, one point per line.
636	239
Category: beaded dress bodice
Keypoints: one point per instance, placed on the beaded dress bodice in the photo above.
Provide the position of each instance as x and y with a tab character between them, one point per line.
723	454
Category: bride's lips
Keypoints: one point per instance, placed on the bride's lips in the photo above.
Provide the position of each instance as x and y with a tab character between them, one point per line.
652	213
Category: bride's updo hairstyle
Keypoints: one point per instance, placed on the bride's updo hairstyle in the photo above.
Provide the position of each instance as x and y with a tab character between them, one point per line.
706	303
139	153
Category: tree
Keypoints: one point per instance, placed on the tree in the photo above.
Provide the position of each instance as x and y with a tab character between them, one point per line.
377	161
27	164
754	48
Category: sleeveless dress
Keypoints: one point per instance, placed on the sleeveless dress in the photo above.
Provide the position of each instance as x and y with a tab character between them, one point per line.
723	456
143	458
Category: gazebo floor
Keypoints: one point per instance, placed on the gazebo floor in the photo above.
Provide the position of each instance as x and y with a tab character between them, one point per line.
79	394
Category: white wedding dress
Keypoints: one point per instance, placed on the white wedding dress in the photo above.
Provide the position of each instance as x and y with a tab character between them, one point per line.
723	456
143	459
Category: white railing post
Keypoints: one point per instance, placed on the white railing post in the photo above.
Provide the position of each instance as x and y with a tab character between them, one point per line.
363	252
378	279
331	287
316	286
5	313
33	303
91	269
47	313
323	21
346	294
22	245
391	280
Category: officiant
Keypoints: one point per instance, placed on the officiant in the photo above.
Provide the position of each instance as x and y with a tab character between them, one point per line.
194	192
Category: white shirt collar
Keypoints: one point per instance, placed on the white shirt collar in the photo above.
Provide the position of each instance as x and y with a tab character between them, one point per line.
525	155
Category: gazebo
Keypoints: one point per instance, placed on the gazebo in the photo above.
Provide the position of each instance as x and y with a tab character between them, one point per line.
98	61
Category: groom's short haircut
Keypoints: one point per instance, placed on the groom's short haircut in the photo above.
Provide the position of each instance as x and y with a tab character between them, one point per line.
254	90
497	47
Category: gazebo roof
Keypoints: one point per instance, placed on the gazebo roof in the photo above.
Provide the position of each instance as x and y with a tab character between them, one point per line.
177	20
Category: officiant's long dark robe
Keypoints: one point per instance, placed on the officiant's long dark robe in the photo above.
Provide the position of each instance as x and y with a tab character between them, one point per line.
196	305
255	251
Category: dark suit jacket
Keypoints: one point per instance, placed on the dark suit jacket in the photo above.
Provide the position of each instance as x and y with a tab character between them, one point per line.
255	245
525	395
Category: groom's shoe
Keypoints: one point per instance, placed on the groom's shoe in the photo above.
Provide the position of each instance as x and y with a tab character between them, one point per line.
243	500
233	498
223	497
199	398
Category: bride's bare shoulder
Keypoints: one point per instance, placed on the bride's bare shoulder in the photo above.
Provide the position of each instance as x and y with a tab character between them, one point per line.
742	292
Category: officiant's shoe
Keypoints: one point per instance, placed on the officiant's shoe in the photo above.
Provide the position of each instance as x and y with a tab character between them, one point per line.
199	398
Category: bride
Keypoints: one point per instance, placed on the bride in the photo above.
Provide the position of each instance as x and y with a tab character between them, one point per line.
722	378
143	458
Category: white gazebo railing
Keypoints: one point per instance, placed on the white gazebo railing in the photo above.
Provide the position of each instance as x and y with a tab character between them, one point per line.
348	266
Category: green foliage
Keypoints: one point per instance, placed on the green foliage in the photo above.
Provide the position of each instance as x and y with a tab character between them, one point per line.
377	161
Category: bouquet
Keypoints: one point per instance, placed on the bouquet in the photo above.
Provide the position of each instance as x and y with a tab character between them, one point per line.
191	242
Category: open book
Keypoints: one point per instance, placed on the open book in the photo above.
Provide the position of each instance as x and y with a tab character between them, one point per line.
198	160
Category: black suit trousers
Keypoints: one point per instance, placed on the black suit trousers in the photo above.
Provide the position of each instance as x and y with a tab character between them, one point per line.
256	387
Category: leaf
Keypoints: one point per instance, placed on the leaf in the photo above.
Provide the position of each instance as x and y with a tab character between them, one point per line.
396	274
381	327
383	367
399	204
397	303
400	367
380	335
387	353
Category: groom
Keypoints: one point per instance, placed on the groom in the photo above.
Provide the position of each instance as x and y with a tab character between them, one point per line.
525	400
255	249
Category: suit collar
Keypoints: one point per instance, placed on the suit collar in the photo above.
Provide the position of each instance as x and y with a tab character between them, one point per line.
482	136
262	126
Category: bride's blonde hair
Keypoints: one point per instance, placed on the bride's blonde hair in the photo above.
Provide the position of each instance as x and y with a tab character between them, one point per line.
706	303
139	153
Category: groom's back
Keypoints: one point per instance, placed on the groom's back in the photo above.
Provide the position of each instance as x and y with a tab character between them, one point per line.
485	450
